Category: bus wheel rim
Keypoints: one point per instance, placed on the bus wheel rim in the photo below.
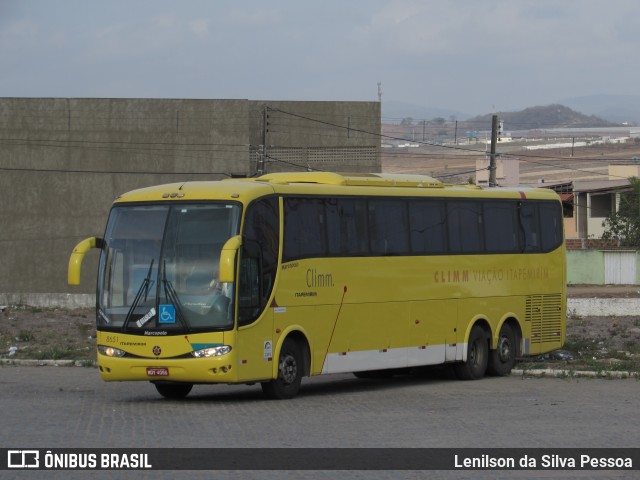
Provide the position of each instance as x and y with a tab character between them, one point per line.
473	354
288	369
504	349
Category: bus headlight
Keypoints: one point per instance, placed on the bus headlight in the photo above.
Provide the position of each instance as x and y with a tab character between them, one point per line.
111	351
211	351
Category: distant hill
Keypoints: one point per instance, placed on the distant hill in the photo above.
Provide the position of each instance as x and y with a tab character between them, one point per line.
394	112
551	116
614	108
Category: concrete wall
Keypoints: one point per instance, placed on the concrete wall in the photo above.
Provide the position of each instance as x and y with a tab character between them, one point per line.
332	136
603	307
587	267
63	161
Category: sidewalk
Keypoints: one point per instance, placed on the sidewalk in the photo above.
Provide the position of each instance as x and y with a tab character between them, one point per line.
603	300
603	291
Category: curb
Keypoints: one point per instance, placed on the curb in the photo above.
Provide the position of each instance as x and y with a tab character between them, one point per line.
47	363
603	307
555	373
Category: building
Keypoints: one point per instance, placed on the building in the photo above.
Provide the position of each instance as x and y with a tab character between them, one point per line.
64	160
587	204
624	170
507	172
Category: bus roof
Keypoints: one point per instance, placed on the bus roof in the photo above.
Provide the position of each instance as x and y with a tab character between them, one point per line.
387	184
325	183
352	179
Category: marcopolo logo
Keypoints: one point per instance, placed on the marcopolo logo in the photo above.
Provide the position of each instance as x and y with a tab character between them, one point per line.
23	459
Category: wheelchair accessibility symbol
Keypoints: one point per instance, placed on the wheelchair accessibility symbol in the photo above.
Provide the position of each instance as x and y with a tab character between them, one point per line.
167	314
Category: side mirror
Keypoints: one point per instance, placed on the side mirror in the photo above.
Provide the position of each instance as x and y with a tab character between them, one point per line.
228	259
75	261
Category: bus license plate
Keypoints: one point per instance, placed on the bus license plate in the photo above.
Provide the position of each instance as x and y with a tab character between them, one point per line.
157	372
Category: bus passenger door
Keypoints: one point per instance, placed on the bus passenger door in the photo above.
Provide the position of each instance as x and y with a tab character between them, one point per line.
255	349
254	340
256	280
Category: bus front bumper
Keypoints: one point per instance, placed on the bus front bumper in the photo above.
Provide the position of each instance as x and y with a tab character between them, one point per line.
189	370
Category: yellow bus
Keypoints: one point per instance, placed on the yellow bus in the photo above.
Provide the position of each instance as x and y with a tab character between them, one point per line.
296	274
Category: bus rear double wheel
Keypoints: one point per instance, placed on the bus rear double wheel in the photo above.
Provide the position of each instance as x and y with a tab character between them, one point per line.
477	356
503	358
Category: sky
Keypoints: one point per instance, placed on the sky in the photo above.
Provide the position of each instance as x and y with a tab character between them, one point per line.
471	56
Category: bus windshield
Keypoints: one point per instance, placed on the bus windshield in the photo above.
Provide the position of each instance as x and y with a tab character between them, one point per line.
159	269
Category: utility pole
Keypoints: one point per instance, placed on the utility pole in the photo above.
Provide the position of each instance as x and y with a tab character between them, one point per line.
492	158
261	168
380	92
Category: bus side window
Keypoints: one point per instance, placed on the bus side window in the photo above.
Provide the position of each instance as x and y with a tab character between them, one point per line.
500	227
427	224
353	230
388	227
249	305
259	258
551	225
304	228
530	229
464	225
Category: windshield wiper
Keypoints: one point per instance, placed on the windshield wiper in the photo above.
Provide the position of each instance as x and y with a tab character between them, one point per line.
144	288
172	296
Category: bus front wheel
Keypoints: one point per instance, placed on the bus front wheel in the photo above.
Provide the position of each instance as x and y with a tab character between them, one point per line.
503	358
477	356
290	369
173	390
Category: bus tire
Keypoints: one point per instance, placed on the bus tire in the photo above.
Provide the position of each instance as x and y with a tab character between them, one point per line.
290	369
503	358
174	391
477	356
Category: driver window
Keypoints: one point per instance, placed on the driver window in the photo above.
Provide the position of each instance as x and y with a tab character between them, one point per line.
259	258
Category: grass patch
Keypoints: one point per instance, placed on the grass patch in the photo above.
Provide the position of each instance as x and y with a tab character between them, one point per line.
593	354
25	336
584	346
59	353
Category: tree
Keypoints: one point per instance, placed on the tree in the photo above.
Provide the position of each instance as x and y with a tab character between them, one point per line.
624	225
407	121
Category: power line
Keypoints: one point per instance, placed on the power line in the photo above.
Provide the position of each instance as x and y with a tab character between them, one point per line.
436	145
392	137
148	148
305	167
464	173
110	172
112	147
67	143
374	134
571	168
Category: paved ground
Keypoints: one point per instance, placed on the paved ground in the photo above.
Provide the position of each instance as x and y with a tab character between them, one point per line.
47	407
58	407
